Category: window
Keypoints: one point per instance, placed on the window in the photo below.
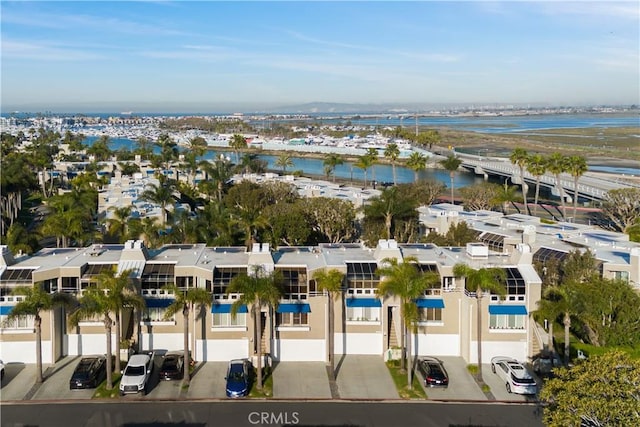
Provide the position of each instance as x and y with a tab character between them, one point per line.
184	282
362	276
506	321
21	322
70	284
226	320
156	314
223	276
429	314
155	276
363	314
449	284
621	275
295	283
293	319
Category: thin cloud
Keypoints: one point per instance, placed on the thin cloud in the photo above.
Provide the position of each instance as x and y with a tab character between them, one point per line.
45	52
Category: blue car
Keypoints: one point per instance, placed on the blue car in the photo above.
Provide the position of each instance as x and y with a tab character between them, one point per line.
238	378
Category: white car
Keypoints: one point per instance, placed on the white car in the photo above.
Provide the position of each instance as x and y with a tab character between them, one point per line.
515	376
137	373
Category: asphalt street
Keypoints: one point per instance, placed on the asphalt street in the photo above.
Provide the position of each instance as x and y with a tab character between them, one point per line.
272	413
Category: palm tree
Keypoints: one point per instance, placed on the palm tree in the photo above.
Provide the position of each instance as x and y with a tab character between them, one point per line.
331	282
520	157
330	162
238	142
406	282
536	166
110	294
35	301
560	301
576	166
168	149
364	163
186	301
506	195
488	279
392	152
117	225
284	161
260	289
417	162
388	206
451	163
161	194
218	173
143	147
557	164
373	155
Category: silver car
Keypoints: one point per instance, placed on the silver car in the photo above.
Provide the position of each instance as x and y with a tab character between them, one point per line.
515	376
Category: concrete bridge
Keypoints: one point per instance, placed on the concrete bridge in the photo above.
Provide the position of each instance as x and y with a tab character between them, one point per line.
591	186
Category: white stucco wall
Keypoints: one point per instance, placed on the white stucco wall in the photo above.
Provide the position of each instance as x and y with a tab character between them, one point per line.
169	342
517	350
359	343
436	345
221	350
292	350
24	352
77	345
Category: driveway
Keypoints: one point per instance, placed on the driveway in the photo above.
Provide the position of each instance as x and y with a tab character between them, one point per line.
208	381
462	386
56	384
18	380
301	380
364	377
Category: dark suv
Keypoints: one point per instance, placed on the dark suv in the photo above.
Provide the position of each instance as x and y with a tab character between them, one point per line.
433	372
90	372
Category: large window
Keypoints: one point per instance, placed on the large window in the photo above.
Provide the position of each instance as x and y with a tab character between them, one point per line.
363	314
21	322
155	276
156	314
506	321
362	278
222	276
428	314
226	320
292	319
295	283
515	282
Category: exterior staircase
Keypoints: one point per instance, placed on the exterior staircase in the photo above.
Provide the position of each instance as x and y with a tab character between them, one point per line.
393	338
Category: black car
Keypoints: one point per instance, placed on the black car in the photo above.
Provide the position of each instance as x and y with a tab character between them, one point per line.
90	372
433	372
172	366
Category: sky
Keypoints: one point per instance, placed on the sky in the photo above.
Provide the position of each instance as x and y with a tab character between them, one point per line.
166	55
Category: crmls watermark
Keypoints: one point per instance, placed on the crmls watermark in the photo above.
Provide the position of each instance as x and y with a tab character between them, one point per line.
273	418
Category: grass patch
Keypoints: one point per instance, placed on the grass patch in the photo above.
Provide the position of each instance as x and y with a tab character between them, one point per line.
473	369
267	385
102	392
400	380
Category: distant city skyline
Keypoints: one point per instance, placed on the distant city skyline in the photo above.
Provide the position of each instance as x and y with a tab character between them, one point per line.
160	56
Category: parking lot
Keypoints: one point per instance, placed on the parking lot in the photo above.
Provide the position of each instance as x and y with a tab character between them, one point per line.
358	377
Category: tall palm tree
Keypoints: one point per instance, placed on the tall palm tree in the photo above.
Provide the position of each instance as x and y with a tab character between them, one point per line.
389	206
373	155
110	294
451	163
520	157
168	149
118	224
161	194
417	162
238	142
406	282
35	301
537	166
144	147
392	152
506	195
187	301
218	173
560	301
576	166
330	282
364	163
284	161
489	279
557	165
330	162
260	289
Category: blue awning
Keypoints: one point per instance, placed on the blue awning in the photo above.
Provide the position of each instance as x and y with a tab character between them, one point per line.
430	303
158	302
294	308
363	302
5	310
226	308
507	309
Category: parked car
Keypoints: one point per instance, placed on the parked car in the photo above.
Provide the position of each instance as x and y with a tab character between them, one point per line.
543	365
90	372
238	378
172	366
516	377
137	373
1	370
433	372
